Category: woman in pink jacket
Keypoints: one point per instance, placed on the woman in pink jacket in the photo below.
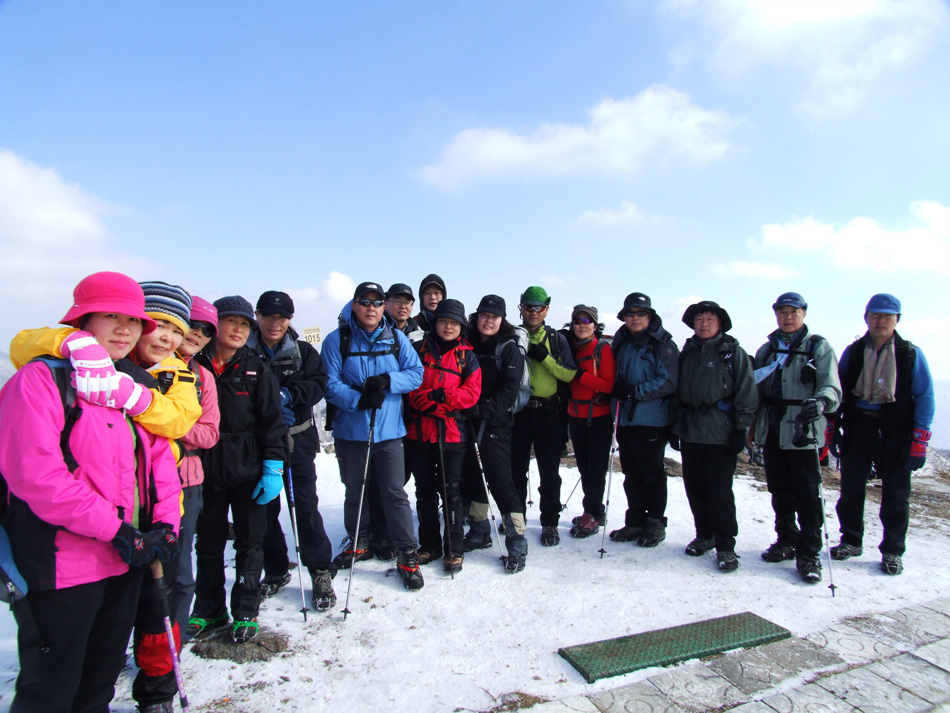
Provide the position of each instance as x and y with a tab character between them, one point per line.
92	500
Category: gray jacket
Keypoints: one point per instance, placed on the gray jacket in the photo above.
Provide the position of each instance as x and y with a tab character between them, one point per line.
777	407
716	390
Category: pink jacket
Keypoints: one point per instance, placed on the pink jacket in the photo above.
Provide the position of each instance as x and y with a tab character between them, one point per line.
204	433
63	538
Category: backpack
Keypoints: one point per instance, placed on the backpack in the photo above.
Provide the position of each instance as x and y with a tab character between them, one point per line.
809	372
12	585
524	387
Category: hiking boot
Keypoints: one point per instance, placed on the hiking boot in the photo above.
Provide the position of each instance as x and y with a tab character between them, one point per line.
426	556
627	533
514	563
273	583
653	534
809	568
243	630
477	540
452	563
383	551
699	546
777	552
323	595
891	564
200	628
408	567
844	551
163	707
344	560
728	561
586	526
549	536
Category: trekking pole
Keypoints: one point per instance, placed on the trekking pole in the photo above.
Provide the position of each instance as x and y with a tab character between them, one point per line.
291	506
440	425
481	471
824	517
610	477
158	574
359	512
564	506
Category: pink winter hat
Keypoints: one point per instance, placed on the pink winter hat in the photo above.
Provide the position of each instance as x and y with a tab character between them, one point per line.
204	311
108	292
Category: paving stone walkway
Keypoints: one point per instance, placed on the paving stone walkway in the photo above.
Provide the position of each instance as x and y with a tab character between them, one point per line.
880	663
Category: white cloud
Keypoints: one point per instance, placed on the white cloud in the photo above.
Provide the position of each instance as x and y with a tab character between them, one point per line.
338	287
865	244
627	214
620	136
766	270
840	47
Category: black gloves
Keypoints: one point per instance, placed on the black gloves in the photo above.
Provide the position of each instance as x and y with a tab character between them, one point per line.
538	352
674	442
371	400
138	548
376	383
737	441
437	395
812	409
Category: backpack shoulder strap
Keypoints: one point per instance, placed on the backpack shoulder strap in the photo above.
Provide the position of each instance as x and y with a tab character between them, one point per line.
61	370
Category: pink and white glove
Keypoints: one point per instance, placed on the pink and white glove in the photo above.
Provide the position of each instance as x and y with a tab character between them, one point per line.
129	395
94	372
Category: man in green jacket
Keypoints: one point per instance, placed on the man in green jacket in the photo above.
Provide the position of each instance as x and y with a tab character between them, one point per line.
542	422
797	376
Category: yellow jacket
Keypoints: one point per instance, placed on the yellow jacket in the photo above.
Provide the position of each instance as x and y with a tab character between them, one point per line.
173	410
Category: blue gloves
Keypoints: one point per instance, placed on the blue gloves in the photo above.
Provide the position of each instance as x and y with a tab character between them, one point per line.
270	484
286	407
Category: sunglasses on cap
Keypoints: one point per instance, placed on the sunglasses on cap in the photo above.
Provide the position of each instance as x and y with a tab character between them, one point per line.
582	320
203	327
636	313
370	303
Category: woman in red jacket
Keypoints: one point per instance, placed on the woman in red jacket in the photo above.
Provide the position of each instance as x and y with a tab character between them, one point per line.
590	421
438	432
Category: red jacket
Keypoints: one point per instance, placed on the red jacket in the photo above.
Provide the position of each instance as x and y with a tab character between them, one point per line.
458	374
591	388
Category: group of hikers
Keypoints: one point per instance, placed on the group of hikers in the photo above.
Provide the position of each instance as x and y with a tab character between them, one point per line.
135	436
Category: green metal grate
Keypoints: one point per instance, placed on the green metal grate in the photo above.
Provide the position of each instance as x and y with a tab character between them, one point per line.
663	647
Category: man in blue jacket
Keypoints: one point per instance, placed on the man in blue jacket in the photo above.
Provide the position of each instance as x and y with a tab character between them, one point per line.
886	412
369	366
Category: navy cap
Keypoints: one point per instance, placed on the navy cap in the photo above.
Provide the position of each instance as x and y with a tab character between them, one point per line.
400	289
364	288
274	302
790	299
883	303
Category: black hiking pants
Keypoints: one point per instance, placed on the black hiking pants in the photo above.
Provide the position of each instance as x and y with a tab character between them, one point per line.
495	449
866	445
71	644
431	490
591	443
792	477
539	424
707	475
644	474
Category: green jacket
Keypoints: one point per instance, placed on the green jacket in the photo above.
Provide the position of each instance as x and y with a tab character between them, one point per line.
716	391
824	385
545	374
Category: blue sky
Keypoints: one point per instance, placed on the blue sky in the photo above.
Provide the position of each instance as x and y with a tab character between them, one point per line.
690	150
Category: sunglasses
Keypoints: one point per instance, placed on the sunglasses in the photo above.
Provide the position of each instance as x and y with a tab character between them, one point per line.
636	313
534	308
204	328
368	303
583	320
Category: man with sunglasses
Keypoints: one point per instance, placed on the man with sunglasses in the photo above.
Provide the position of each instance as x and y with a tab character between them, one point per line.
370	365
299	369
542	423
647	377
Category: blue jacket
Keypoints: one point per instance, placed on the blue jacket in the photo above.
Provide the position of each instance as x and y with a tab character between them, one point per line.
647	375
345	377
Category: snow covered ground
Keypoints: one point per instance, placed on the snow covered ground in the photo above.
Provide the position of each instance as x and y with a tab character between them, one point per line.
460	644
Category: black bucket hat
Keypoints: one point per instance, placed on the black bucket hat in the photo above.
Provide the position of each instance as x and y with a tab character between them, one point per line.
635	300
706	306
451	309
